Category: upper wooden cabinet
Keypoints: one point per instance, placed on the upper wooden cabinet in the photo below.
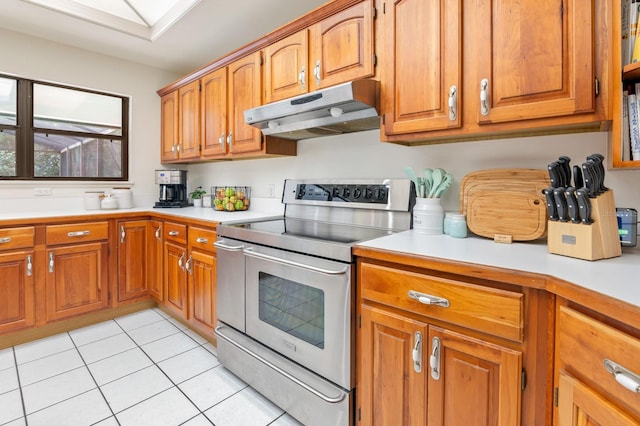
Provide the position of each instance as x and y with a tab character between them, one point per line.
180	118
213	107
169	127
336	50
516	67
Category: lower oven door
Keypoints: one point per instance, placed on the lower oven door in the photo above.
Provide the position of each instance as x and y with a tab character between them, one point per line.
301	307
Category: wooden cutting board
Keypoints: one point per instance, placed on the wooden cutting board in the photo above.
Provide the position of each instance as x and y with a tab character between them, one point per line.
505	202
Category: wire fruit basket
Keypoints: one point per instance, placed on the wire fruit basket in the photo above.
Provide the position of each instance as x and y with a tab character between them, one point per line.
230	198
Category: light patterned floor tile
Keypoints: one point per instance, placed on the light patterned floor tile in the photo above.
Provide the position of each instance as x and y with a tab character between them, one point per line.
47	392
151	332
200	420
119	365
286	420
211	387
43	347
130	390
139	319
168	408
84	409
43	368
6	358
8	380
188	364
167	347
105	348
10	406
95	332
246	407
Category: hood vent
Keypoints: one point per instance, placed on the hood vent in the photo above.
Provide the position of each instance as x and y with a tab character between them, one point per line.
345	108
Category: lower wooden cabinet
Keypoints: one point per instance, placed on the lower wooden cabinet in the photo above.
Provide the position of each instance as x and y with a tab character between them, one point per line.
17	303
175	279
154	260
201	268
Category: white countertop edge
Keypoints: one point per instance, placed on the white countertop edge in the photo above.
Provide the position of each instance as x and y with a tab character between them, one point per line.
616	277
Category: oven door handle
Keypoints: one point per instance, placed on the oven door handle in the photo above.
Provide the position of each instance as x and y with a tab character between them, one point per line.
221	245
249	252
332	400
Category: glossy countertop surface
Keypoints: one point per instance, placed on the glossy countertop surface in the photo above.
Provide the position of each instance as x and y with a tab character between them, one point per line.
616	277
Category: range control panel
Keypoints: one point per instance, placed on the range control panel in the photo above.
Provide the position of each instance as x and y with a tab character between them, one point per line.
343	193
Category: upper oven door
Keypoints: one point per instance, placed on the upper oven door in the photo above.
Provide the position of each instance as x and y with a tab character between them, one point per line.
301	307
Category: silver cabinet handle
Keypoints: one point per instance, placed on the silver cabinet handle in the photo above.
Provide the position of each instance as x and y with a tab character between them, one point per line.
174	233
453	103
302	77
78	233
416	354
434	359
173	148
626	378
122	234
158	232
250	252
428	299
316	73
180	262
188	265
5	240
230	140
221	140
51	262
180	148
29	266
202	240
221	245
484	97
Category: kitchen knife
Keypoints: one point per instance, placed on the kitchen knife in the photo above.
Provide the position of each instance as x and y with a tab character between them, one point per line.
566	170
584	205
552	213
554	174
589	180
577	177
572	204
598	159
561	203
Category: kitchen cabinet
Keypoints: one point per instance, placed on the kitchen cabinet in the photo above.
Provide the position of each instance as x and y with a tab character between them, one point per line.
17	292
175	272
180	124
139	259
201	267
445	350
527	67
77	274
335	50
598	371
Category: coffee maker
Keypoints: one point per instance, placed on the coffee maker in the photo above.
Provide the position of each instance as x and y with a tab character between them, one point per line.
173	188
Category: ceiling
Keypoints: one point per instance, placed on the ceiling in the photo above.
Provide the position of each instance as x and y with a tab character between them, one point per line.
174	35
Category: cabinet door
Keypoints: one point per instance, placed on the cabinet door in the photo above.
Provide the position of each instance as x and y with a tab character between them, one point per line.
202	288
472	382
341	47
285	70
17	308
175	278
189	107
76	279
421	44
536	57
154	260
245	92
392	386
133	279
578	405
213	107
169	120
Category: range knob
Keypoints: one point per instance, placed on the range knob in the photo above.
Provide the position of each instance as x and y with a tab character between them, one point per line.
380	193
346	192
357	192
335	192
368	193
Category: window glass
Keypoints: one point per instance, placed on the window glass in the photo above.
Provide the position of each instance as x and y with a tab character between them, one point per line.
8	101
7	153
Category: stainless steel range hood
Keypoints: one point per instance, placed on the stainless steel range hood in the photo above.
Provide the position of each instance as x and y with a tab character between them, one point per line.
345	108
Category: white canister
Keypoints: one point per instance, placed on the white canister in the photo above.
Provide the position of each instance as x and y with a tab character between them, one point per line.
124	196
92	200
109	203
428	216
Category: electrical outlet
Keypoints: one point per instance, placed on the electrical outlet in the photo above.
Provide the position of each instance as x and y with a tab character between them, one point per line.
40	192
271	190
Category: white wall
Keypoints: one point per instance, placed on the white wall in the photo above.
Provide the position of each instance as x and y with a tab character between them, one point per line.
355	155
39	59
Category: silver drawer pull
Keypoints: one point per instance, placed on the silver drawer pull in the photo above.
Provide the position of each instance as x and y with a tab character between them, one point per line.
626	378
428	299
202	240
416	354
5	240
78	233
29	266
52	262
174	233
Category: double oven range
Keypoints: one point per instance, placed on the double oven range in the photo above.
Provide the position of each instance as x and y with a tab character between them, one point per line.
286	292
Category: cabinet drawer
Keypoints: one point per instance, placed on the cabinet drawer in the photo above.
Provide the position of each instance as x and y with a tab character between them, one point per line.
202	238
13	238
492	311
77	233
175	232
583	346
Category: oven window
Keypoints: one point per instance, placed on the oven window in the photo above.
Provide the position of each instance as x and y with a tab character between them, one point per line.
292	307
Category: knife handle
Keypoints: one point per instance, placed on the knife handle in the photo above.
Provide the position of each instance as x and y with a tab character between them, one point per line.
577	177
551	204
566	170
589	180
598	160
554	175
572	204
584	205
561	203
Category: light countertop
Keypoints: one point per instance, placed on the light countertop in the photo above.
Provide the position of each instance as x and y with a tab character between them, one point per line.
616	277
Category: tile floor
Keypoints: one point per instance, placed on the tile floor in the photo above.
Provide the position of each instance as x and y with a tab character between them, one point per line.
139	369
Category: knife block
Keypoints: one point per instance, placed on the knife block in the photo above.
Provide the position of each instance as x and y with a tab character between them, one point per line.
600	240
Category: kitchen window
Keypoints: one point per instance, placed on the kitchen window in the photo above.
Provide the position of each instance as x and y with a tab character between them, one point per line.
51	131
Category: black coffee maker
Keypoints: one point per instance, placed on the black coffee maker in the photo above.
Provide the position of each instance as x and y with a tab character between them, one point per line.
173	188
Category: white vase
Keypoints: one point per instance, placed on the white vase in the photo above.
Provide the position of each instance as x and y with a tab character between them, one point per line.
197	202
428	216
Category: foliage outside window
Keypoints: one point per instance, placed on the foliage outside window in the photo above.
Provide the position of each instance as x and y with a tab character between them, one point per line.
50	131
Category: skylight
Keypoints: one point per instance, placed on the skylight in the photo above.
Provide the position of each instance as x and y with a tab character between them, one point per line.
146	19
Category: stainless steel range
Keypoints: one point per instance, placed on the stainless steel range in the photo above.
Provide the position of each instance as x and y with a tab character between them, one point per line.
285	292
